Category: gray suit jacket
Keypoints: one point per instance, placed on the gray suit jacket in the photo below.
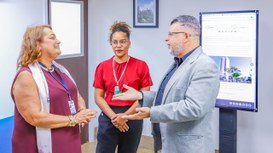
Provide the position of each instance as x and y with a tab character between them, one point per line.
185	114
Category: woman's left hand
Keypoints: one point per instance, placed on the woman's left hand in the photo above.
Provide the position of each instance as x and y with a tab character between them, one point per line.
117	120
84	116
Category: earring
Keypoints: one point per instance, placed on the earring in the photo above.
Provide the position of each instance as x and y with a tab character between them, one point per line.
39	52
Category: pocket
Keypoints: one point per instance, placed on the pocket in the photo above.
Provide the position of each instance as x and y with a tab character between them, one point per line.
104	123
103	118
190	143
177	93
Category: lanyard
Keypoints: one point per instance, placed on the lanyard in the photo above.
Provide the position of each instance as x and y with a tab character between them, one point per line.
122	73
62	82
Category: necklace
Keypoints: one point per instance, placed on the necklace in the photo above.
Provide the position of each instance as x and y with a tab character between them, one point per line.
116	89
45	68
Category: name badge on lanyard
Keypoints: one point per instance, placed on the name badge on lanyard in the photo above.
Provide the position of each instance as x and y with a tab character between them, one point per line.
117	91
72	106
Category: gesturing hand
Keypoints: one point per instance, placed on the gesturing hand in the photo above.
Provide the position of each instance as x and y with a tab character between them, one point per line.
142	112
130	94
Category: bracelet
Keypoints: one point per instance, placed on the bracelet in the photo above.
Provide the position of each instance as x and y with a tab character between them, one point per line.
72	121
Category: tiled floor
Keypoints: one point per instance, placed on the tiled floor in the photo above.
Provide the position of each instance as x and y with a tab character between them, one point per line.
145	146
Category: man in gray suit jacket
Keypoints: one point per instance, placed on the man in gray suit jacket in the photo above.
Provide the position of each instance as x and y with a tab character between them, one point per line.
181	109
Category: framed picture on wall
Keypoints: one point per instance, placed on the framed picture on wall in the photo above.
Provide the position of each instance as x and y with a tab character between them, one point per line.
145	14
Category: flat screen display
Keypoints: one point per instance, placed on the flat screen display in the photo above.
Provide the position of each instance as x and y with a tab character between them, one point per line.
231	39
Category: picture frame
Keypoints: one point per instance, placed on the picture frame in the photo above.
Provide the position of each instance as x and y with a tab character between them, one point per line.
145	13
64	16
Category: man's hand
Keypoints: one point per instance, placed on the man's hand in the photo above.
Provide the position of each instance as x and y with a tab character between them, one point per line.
142	112
131	94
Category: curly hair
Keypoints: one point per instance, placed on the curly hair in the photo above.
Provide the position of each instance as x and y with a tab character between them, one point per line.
30	52
120	26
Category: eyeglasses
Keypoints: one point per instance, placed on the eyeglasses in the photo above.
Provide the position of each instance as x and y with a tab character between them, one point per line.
174	33
121	42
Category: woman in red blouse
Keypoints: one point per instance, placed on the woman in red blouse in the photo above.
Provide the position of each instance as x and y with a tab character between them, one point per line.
110	75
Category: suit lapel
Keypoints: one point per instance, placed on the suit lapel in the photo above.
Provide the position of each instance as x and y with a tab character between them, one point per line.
183	68
161	82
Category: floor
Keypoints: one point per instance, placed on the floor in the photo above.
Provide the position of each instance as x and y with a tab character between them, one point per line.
145	146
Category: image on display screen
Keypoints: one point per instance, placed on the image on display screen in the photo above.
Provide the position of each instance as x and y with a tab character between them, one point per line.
230	38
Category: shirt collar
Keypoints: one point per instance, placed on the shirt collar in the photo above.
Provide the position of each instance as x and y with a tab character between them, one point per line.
178	61
188	54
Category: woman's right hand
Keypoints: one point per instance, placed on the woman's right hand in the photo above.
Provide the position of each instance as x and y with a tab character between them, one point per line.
119	122
83	117
123	128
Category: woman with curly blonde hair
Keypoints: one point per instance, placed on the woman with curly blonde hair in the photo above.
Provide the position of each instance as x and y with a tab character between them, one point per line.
110	75
30	52
48	107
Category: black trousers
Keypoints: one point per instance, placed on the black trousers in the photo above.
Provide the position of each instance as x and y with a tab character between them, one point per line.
109	137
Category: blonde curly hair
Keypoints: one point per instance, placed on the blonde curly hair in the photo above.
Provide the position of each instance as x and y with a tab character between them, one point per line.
120	26
30	52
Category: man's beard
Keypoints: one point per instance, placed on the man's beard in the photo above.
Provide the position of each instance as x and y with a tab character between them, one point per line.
176	50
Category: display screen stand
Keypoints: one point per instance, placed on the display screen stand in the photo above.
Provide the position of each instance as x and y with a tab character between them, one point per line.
228	130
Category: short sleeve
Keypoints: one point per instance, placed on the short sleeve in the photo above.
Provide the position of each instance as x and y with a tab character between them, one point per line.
98	78
146	79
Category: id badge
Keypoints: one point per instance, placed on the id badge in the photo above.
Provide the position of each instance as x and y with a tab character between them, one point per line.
116	90
72	106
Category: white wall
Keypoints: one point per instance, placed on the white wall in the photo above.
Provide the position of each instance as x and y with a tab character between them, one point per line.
15	16
254	129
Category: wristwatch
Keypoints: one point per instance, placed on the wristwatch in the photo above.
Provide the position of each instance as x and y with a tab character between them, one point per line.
72	121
